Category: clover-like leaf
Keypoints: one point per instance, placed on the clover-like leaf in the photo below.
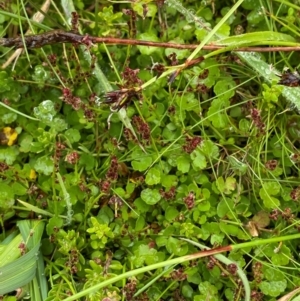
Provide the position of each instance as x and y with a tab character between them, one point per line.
73	135
225	88
7	199
282	256
140	160
9	154
216	113
153	176
45	111
176	246
144	254
198	160
6	82
150	196
171	213
273	288
183	163
266	193
226	186
44	165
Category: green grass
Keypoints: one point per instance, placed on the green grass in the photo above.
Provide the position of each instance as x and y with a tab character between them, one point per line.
133	159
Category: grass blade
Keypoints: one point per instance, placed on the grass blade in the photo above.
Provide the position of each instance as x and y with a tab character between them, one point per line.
215	29
19	272
16	272
10	251
227	261
35	209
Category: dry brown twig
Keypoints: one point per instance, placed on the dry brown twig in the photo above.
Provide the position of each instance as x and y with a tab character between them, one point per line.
62	36
38	17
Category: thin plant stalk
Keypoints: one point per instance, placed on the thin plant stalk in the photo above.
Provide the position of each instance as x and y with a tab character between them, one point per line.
253	243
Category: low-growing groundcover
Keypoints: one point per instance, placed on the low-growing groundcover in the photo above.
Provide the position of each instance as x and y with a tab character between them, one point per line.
117	158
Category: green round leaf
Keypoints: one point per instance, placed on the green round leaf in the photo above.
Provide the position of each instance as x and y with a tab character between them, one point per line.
19	189
45	111
73	135
7	195
153	176
44	165
150	196
9	154
140	160
273	288
198	160
183	164
171	213
176	246
187	291
54	224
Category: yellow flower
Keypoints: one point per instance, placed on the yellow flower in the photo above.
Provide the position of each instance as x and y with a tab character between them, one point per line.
8	136
32	174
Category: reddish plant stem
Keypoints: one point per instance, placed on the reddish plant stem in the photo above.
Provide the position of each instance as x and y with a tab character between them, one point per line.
214	251
61	36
